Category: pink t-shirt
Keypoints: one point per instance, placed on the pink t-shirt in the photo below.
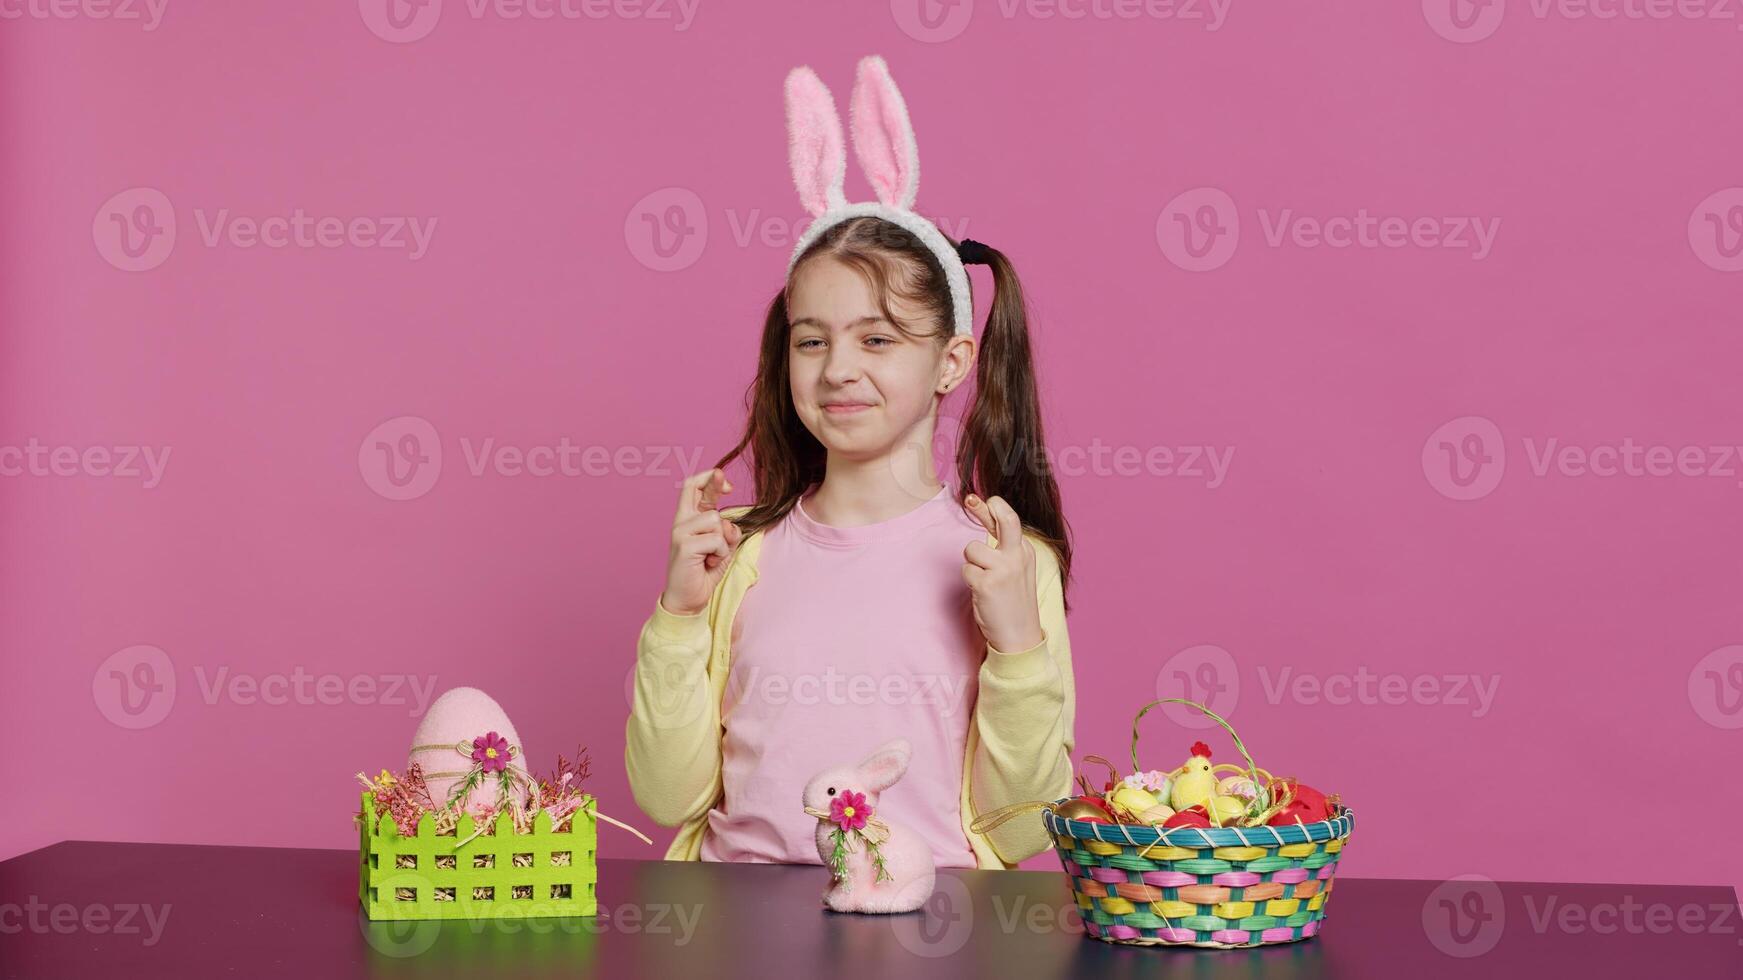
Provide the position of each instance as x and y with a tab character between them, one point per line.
851	636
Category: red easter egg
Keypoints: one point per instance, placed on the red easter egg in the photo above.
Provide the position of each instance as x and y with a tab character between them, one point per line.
1192	816
1309	805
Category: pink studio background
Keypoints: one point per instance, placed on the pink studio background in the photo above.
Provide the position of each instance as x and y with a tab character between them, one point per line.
1596	610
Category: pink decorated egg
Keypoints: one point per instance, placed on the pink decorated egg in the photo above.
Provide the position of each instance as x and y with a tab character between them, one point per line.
468	716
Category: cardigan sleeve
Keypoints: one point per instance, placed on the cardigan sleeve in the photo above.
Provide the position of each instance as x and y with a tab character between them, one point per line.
1025	716
672	740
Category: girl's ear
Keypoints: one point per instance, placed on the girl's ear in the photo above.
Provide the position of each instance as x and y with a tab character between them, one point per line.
815	145
883	138
882	768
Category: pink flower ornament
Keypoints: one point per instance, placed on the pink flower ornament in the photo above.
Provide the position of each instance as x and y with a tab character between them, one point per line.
848	811
490	752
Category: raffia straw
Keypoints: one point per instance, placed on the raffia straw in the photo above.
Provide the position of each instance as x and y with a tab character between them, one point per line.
515	773
593	806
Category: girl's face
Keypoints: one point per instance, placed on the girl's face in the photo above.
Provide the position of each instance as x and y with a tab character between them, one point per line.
860	384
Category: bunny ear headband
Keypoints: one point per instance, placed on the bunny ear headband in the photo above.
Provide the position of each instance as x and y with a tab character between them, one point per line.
883	140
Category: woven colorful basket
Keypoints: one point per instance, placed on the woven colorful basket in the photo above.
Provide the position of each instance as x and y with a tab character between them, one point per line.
1185	886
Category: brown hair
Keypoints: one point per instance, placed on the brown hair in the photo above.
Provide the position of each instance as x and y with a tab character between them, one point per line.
1000	451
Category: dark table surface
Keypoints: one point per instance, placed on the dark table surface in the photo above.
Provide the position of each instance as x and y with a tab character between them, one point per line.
84	909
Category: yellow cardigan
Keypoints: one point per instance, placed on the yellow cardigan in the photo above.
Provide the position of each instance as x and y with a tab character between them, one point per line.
1020	735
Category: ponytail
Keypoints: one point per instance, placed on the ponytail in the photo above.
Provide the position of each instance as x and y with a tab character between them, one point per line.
1002	449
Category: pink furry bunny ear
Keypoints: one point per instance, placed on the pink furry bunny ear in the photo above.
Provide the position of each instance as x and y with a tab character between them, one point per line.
882	768
883	138
815	145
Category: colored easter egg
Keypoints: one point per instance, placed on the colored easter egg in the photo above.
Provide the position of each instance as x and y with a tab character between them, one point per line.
1156	814
1132	799
459	716
1240	786
1226	809
1309	805
1083	808
1193	816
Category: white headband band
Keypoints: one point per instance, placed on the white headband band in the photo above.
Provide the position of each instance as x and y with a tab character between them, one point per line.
883	141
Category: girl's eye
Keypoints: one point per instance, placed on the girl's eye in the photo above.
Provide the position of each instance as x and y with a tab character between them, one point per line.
831	791
806	344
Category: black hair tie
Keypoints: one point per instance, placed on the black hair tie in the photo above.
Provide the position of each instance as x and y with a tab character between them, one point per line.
972	252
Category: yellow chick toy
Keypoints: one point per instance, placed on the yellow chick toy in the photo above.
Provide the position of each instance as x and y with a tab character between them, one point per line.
1194	784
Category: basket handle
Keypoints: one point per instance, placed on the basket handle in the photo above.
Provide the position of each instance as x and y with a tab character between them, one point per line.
1252	768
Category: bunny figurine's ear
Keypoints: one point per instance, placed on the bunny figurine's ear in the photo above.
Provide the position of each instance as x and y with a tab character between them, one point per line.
883	138
815	144
882	768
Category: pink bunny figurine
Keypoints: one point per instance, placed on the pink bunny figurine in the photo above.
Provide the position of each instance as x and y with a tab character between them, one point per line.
844	799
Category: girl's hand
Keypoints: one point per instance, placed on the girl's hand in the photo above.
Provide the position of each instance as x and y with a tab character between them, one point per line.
1002	579
702	541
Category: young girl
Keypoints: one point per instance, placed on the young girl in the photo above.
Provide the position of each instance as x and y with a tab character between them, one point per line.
861	598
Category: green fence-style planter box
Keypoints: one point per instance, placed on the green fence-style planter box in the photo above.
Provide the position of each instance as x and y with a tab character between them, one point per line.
427	877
